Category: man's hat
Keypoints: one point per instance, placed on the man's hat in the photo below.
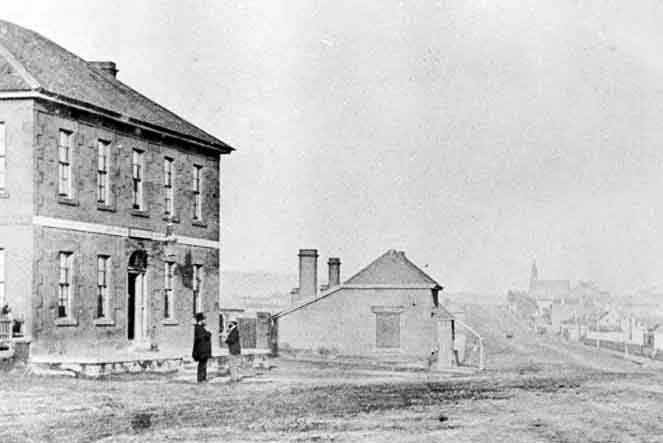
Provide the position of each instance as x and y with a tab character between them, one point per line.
200	316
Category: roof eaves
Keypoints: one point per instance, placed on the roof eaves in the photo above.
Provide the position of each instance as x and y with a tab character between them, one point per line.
305	303
63	99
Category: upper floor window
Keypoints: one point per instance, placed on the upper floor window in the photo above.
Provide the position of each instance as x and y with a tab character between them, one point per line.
2	277
64	163
169	204
103	299
197	282
168	290
103	154
197	195
64	286
3	157
137	175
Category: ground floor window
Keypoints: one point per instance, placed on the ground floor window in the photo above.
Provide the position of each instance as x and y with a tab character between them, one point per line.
168	290
197	284
64	286
103	301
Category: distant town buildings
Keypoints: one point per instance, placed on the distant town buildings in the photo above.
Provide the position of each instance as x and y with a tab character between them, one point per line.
585	312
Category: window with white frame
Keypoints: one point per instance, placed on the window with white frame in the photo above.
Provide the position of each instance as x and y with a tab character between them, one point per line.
103	298
197	282
168	290
103	155
65	283
197	195
169	203
64	163
2	277
3	157
137	175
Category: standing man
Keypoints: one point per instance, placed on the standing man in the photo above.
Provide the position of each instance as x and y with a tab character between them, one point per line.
202	346
234	350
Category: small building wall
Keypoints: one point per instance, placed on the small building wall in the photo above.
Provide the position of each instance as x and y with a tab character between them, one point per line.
16	207
658	339
346	321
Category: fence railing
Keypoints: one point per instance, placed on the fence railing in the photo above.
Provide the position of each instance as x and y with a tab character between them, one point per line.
5	328
471	344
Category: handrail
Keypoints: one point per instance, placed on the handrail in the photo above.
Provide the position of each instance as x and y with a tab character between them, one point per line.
482	355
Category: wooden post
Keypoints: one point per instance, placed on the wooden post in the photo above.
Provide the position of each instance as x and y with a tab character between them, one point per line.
482	355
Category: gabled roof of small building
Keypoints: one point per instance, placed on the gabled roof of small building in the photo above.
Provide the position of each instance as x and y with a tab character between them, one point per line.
30	62
392	268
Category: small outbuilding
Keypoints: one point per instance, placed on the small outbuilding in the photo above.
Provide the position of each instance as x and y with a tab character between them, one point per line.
389	309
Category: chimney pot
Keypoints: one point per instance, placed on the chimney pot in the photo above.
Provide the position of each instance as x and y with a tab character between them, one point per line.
308	273
107	67
334	271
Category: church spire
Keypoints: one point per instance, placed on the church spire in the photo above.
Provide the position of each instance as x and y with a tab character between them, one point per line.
533	276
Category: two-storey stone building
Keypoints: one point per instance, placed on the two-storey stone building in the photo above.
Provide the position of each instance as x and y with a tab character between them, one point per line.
109	206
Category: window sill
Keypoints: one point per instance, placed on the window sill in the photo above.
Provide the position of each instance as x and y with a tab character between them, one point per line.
107	208
4	194
140	213
199	223
169	322
69	201
104	321
64	321
173	219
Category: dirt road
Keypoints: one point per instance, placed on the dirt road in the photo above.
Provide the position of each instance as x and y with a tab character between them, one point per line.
536	389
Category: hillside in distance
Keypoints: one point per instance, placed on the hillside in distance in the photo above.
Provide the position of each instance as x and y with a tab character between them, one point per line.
265	291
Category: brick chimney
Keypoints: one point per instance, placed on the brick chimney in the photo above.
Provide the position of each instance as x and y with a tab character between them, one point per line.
334	272
107	67
308	273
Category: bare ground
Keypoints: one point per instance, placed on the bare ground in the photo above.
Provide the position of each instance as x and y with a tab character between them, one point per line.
536	390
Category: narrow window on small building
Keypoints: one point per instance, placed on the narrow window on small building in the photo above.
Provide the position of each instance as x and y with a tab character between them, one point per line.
197	283
388	330
3	158
64	163
197	195
169	203
137	174
64	289
2	278
103	154
103	299
168	290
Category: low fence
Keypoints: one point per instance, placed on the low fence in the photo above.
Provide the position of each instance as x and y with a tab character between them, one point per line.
627	348
5	328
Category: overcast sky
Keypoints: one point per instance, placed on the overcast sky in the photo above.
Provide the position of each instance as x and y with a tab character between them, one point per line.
474	135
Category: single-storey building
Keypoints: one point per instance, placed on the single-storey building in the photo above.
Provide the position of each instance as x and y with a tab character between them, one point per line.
388	309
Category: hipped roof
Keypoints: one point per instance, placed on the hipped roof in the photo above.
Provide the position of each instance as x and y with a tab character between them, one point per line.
31	62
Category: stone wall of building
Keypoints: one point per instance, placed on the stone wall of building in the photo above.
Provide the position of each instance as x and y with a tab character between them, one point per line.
16	206
83	206
345	321
84	333
88	229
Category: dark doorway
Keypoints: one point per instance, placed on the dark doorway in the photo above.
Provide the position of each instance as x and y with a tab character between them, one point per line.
131	307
